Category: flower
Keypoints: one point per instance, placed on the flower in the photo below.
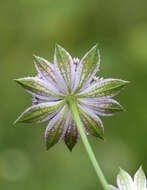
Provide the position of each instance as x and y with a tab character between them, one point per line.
55	84
125	182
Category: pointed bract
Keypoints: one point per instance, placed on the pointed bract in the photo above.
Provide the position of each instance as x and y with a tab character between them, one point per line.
56	129
87	68
102	106
91	122
40	112
38	87
65	66
140	180
125	182
46	70
105	88
72	134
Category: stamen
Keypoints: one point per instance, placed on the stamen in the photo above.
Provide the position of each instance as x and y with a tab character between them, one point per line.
76	60
97	79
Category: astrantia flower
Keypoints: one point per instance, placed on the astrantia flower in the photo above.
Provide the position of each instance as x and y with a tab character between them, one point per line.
55	84
125	182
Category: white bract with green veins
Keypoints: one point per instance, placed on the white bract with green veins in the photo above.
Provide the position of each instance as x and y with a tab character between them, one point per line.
65	80
125	182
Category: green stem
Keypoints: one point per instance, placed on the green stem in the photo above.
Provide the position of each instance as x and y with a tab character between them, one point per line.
87	145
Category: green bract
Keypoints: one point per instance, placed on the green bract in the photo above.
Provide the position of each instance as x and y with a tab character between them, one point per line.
125	182
70	78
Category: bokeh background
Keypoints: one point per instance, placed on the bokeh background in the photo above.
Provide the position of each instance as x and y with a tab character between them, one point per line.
33	27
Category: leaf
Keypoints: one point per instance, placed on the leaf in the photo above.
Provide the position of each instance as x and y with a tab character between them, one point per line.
104	88
40	112
56	128
87	68
140	180
91	121
124	181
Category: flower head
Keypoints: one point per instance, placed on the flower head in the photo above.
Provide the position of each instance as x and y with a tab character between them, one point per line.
55	84
125	182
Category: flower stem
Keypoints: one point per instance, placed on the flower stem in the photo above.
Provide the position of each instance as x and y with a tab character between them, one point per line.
87	145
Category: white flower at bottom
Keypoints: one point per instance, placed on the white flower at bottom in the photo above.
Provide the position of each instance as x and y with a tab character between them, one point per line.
55	84
125	182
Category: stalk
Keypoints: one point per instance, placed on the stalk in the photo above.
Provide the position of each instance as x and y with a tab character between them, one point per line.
88	148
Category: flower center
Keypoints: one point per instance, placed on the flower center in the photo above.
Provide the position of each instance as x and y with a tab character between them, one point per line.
69	98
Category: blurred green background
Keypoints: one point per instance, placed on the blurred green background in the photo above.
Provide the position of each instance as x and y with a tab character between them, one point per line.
33	27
